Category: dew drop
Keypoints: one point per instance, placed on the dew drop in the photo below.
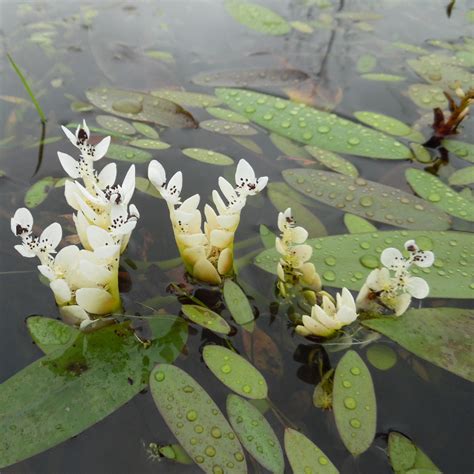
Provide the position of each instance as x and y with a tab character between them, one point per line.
346	384
355	371
247	388
331	261
350	403
366	201
322	460
210	451
369	261
355	423
238	456
226	369
329	275
191	415
216	432
159	376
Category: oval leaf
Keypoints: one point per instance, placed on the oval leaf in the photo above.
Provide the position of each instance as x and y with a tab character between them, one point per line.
235	372
462	177
354	404
127	153
196	421
358	225
50	334
206	318
312	127
255	433
208	156
146	130
441	336
427	96
333	161
115	124
237	303
227	128
368	199
227	115
38	192
187	99
383	123
381	356
441	195
305	456
150	144
463	150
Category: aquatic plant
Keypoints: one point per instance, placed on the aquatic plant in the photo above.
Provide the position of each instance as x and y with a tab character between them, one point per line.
382	289
208	255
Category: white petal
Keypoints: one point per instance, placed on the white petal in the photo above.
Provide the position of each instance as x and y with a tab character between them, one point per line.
204	270
71	194
107	252
98	237
69	164
347	299
302	331
328	321
192	255
228	221
225	261
190	204
25	251
299	235
156	174
392	258
93	274
316	329
328	306
173	188
82	224
302	253
244	173
22	218
280	272
424	259
61	291
73	314
280	247
101	148
128	185
218	202
221	238
417	287
261	184
108	175
402	303
211	217
227	190
96	300
346	315
72	138
52	235
47	272
67	257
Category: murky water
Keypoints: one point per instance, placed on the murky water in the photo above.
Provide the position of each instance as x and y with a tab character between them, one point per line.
68	47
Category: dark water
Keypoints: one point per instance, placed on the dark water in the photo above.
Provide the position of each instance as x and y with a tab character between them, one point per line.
427	404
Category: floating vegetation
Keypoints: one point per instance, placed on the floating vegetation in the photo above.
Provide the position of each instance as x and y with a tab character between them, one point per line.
441	195
235	372
289	147
164	56
255	433
378	76
249	144
462	177
227	115
238	305
427	96
312	127
39	191
208	156
227	128
421	153
187	99
384	123
441	336
146	130
369	199
463	150
139	106
358	225
450	277
50	334
196	421
333	161
148	143
257	17
115	124
366	63
354	404
127	153
381	356
206	318
252	77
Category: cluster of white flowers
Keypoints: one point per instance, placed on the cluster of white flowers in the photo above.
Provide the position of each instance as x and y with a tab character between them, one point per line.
294	267
207	255
84	281
99	200
395	291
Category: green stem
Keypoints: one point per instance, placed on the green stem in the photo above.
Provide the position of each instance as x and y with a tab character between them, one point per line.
28	89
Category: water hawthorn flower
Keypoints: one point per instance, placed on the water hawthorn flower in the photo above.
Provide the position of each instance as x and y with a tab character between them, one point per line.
294	267
99	200
84	282
395	291
328	317
207	255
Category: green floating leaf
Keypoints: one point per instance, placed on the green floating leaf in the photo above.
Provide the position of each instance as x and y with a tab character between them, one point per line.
142	107
150	144
145	186
353	256
462	177
176	453
81	107
267	237
187	99
370	199
235	372
463	150
67	391
38	192
115	124
384	123
282	200
333	161
257	17
427	96
253	77
238	304
441	195
354	404
227	128
249	144
421	153
359	15
373	76
127	153
305	456
255	433
146	130
50	334
208	156
289	147
196	421
302	27
410	48
312	127
405	457
442	336
358	225
164	56
206	318
381	356
439	70
227	115
366	63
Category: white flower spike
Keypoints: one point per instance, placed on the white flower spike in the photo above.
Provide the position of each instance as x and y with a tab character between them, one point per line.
328	317
395	291
207	253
